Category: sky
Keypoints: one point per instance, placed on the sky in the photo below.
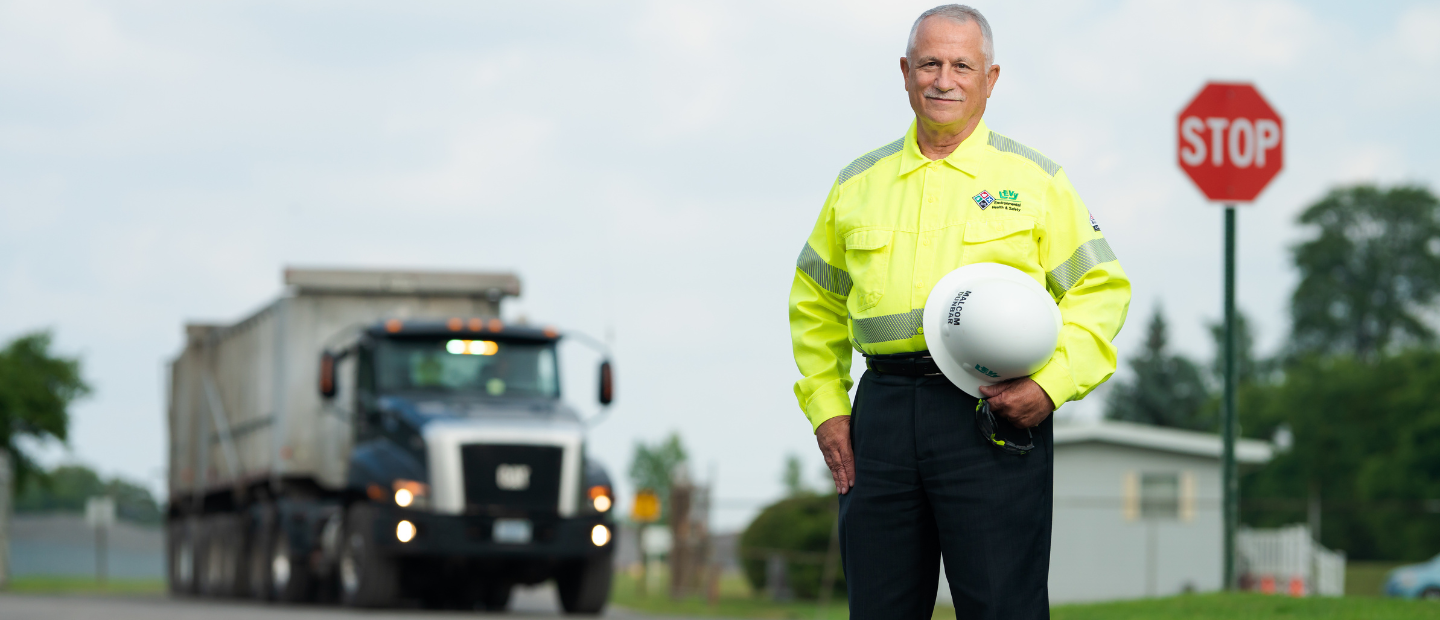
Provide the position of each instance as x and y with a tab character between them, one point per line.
649	169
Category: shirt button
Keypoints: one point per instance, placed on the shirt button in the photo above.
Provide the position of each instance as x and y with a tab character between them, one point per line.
920	286
925	241
930	199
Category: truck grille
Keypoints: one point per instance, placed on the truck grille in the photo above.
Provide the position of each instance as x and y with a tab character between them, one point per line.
511	479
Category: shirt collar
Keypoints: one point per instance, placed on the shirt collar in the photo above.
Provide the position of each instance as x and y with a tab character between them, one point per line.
964	158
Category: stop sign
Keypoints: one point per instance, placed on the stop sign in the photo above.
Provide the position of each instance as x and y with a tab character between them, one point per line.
1230	142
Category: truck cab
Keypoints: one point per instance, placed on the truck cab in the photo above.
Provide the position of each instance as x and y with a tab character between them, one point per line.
466	461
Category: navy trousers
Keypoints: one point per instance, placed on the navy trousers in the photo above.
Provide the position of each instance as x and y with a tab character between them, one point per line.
927	484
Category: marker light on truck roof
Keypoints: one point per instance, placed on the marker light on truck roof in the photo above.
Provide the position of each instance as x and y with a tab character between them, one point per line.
472	347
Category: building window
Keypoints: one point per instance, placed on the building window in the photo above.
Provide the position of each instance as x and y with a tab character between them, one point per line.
1159	496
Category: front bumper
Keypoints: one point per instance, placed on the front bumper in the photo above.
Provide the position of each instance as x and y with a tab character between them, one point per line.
469	536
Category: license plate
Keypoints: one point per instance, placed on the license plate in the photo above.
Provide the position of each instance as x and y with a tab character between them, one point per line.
515	531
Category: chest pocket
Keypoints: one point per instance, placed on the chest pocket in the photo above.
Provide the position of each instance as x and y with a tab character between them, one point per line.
1009	241
867	257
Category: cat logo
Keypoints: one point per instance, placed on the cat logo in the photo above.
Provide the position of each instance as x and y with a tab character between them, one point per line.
512	477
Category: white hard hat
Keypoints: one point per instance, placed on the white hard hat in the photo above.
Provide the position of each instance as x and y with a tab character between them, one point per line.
987	322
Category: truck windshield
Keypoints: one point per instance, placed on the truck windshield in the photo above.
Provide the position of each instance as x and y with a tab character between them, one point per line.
483	367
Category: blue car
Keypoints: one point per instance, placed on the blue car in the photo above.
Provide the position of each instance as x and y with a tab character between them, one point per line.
1415	581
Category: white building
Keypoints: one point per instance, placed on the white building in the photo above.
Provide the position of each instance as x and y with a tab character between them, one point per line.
1137	511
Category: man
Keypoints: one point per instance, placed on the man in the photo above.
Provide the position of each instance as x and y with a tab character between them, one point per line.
915	477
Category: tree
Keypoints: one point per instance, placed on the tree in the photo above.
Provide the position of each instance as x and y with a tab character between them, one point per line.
1248	368
1166	390
653	466
1364	278
36	389
1364	441
68	487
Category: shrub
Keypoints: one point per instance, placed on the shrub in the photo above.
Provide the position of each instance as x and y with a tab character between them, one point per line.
799	524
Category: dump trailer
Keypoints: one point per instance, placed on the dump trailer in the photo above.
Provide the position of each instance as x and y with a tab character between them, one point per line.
374	438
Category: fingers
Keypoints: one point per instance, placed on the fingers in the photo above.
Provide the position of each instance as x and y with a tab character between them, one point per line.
834	439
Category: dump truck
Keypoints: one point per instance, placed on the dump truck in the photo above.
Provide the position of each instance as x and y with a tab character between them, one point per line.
378	438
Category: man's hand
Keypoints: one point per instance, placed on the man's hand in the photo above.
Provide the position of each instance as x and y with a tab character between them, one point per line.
1021	401
834	439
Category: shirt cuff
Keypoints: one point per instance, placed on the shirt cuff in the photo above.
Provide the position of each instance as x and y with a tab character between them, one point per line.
1055	379
829	402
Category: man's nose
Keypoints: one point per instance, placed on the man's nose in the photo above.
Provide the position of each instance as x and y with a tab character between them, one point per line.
945	82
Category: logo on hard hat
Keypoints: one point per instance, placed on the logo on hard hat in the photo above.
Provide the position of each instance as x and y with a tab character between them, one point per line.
986	371
983	199
956	307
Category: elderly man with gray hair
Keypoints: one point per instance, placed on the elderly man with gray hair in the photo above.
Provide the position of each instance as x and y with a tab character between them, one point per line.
924	470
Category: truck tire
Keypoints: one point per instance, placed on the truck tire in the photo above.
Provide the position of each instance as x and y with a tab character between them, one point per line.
222	551
584	586
367	577
181	548
289	571
258	559
495	595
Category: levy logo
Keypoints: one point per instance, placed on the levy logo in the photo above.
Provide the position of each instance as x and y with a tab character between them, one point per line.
984	199
1009	200
987	372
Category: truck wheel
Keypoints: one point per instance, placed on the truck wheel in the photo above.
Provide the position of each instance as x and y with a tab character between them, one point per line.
584	586
289	576
495	595
182	558
259	560
367	577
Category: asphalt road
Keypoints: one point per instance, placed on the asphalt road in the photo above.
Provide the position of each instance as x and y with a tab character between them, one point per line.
533	603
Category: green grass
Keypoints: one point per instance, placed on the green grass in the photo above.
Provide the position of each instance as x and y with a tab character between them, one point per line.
84	585
1248	606
737	600
1367	578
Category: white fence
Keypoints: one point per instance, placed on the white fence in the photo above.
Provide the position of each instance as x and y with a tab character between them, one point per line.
1288	561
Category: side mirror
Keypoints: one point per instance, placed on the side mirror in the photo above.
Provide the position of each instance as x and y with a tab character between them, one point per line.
327	374
607	383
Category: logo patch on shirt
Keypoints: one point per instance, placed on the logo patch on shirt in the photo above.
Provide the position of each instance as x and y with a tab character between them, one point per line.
1009	200
1093	224
983	199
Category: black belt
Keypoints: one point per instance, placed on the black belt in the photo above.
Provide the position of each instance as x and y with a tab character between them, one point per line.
904	364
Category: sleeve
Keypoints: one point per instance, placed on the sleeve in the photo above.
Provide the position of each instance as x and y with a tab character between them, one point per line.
819	332
1091	289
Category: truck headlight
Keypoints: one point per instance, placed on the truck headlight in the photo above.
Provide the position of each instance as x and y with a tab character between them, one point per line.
600	498
404	531
600	535
411	494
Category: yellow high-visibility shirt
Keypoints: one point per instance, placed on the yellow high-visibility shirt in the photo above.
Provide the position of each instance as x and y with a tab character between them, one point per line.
896	222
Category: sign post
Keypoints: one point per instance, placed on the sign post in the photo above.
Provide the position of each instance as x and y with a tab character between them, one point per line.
100	515
1231	144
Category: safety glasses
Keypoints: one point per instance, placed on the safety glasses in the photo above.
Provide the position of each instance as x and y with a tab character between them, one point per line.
986	421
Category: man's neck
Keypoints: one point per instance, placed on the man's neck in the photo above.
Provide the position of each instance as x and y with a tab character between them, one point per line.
939	141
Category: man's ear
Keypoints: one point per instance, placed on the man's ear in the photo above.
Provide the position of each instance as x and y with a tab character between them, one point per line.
991	77
905	72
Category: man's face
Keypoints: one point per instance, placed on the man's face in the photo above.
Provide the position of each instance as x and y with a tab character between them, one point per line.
946	76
